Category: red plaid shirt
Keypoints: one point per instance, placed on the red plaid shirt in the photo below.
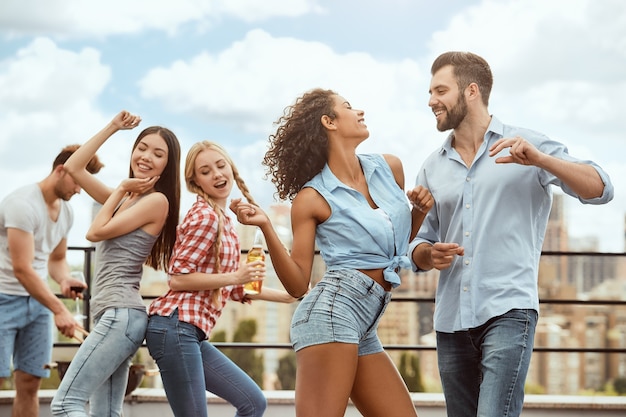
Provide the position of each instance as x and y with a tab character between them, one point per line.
193	252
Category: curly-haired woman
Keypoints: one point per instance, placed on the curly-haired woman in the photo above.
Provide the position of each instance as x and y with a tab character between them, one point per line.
354	208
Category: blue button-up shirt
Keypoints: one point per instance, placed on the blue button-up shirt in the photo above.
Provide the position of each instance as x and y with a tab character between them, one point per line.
499	214
355	235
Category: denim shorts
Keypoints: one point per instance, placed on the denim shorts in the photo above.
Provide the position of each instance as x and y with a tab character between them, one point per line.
345	307
25	335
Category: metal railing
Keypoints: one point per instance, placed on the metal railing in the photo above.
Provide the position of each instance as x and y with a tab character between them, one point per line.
87	266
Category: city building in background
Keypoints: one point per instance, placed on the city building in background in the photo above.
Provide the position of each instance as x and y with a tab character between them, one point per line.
588	277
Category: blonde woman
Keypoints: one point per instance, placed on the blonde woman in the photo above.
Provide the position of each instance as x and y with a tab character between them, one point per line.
205	272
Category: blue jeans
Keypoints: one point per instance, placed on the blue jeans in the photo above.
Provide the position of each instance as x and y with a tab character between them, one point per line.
483	370
99	371
190	366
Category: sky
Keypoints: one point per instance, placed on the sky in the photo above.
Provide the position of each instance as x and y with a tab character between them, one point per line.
224	70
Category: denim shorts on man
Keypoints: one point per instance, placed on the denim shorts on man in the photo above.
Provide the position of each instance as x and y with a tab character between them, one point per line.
345	307
25	335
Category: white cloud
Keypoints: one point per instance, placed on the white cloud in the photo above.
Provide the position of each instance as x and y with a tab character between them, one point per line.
41	76
261	10
558	68
500	29
77	18
250	83
538	40
46	101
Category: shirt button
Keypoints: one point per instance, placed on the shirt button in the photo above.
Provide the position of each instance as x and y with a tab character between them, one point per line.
467	262
465	289
467	179
467	206
466	233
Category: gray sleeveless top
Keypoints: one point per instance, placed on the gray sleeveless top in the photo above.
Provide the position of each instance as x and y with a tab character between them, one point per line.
119	267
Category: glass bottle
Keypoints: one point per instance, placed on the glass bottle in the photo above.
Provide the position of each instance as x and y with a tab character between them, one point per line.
255	253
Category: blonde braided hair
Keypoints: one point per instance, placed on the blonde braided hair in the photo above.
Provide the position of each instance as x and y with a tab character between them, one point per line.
192	155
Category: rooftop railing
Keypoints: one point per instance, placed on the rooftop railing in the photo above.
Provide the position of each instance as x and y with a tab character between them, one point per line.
88	262
617	301
151	401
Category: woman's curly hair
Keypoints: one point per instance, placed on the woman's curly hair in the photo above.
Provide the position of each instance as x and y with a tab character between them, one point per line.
299	149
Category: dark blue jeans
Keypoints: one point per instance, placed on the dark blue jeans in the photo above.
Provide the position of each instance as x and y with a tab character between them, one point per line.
190	366
483	370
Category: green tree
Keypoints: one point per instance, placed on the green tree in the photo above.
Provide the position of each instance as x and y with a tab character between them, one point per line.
619	384
532	388
410	372
246	359
286	371
219	336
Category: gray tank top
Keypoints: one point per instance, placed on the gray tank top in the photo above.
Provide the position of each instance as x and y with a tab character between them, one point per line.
119	267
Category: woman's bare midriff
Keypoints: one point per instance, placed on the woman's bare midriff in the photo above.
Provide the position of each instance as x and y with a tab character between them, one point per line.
377	275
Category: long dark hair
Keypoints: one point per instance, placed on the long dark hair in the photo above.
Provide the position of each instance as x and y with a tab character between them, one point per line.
169	185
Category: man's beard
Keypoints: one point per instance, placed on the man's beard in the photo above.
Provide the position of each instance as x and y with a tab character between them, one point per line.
454	116
63	195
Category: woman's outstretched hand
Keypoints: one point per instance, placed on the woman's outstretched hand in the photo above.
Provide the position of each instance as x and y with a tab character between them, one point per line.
247	213
125	120
421	198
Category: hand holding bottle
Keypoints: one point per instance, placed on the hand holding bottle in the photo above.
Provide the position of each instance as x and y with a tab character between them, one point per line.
256	253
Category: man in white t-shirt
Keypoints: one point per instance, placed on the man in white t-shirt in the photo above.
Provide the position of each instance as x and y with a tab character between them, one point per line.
34	223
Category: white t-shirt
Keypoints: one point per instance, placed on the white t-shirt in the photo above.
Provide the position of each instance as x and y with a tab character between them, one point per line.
25	209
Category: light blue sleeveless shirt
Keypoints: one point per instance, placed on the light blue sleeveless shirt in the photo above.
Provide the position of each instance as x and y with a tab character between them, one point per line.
356	236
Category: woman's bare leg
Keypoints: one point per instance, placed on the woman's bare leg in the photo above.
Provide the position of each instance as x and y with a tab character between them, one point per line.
324	378
379	390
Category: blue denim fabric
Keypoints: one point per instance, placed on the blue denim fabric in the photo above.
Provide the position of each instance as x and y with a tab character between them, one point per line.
190	365
25	335
345	306
99	370
483	370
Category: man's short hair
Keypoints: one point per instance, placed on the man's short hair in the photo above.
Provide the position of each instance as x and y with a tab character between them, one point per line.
94	166
467	68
